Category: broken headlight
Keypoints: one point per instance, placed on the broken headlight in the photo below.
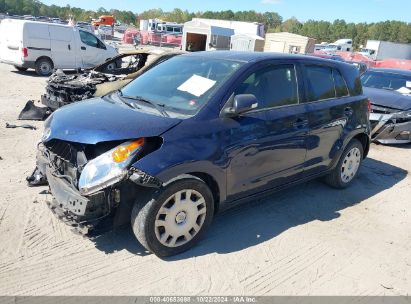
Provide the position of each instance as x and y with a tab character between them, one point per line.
108	168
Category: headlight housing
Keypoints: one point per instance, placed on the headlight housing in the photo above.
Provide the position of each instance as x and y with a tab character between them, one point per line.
108	168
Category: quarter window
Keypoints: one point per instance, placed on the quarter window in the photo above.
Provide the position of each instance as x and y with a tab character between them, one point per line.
320	83
274	86
341	89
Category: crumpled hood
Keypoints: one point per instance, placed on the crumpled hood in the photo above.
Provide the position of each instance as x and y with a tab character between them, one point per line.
386	98
101	119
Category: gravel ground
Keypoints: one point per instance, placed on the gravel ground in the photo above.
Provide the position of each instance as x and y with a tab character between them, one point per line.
308	240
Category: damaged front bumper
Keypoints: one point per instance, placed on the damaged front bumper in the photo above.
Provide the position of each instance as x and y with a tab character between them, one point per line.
107	208
82	213
390	126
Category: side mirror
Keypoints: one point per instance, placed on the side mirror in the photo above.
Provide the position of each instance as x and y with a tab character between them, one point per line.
241	104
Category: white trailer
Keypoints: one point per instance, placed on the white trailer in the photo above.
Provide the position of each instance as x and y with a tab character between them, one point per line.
380	50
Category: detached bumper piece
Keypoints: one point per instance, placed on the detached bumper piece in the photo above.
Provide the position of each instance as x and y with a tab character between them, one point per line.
33	112
390	126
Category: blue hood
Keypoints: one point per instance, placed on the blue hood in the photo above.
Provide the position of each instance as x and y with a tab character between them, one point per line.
101	119
390	99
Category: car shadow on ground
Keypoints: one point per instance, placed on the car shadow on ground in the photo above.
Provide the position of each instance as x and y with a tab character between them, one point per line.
255	222
31	73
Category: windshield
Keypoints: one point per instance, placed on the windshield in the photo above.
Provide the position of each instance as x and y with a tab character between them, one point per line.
384	80
182	84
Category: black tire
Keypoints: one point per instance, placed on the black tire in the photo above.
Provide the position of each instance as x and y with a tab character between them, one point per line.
44	67
145	213
334	179
20	69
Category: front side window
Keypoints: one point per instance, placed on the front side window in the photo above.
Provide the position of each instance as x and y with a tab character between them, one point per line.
182	84
89	39
273	86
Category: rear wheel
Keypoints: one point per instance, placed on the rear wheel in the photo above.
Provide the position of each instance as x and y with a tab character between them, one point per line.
44	67
348	165
21	69
173	218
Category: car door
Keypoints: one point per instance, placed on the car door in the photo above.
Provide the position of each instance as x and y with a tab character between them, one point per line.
63	47
329	107
92	50
267	145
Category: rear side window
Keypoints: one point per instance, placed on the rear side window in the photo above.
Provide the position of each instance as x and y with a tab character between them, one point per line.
341	89
325	83
273	86
320	83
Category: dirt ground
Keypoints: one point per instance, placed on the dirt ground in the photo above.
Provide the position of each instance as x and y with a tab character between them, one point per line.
308	240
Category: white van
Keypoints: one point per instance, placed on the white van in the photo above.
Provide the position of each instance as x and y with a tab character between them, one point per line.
47	46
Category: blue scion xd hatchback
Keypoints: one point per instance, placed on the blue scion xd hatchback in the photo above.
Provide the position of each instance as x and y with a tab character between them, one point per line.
199	132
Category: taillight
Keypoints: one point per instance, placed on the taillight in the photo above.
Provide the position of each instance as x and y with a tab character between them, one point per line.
369	105
25	52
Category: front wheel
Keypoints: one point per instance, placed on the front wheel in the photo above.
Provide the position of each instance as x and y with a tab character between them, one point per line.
347	168
173	218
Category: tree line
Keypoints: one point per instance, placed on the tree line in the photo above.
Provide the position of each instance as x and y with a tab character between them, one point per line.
322	31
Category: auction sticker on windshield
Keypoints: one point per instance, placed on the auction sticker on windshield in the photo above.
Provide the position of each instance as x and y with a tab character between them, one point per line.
197	85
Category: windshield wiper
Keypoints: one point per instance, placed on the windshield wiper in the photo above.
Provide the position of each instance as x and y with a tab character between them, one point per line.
158	107
130	104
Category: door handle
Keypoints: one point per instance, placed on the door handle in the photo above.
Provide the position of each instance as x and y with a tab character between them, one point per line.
83	48
348	111
300	123
69	47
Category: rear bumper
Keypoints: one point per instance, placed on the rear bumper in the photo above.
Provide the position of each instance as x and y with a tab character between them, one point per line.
24	64
386	129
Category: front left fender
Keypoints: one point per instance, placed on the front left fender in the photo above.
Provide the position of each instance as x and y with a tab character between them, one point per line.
173	160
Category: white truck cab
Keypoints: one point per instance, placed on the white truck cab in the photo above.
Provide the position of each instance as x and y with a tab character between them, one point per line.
47	46
344	45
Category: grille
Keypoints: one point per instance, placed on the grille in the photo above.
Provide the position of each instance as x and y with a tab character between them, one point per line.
63	150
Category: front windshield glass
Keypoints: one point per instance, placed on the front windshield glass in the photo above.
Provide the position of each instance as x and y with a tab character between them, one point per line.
387	81
182	84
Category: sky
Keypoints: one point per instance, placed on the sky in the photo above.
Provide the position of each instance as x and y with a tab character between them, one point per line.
329	10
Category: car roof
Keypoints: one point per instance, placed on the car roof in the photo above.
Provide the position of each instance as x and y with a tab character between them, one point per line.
252	56
392	71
